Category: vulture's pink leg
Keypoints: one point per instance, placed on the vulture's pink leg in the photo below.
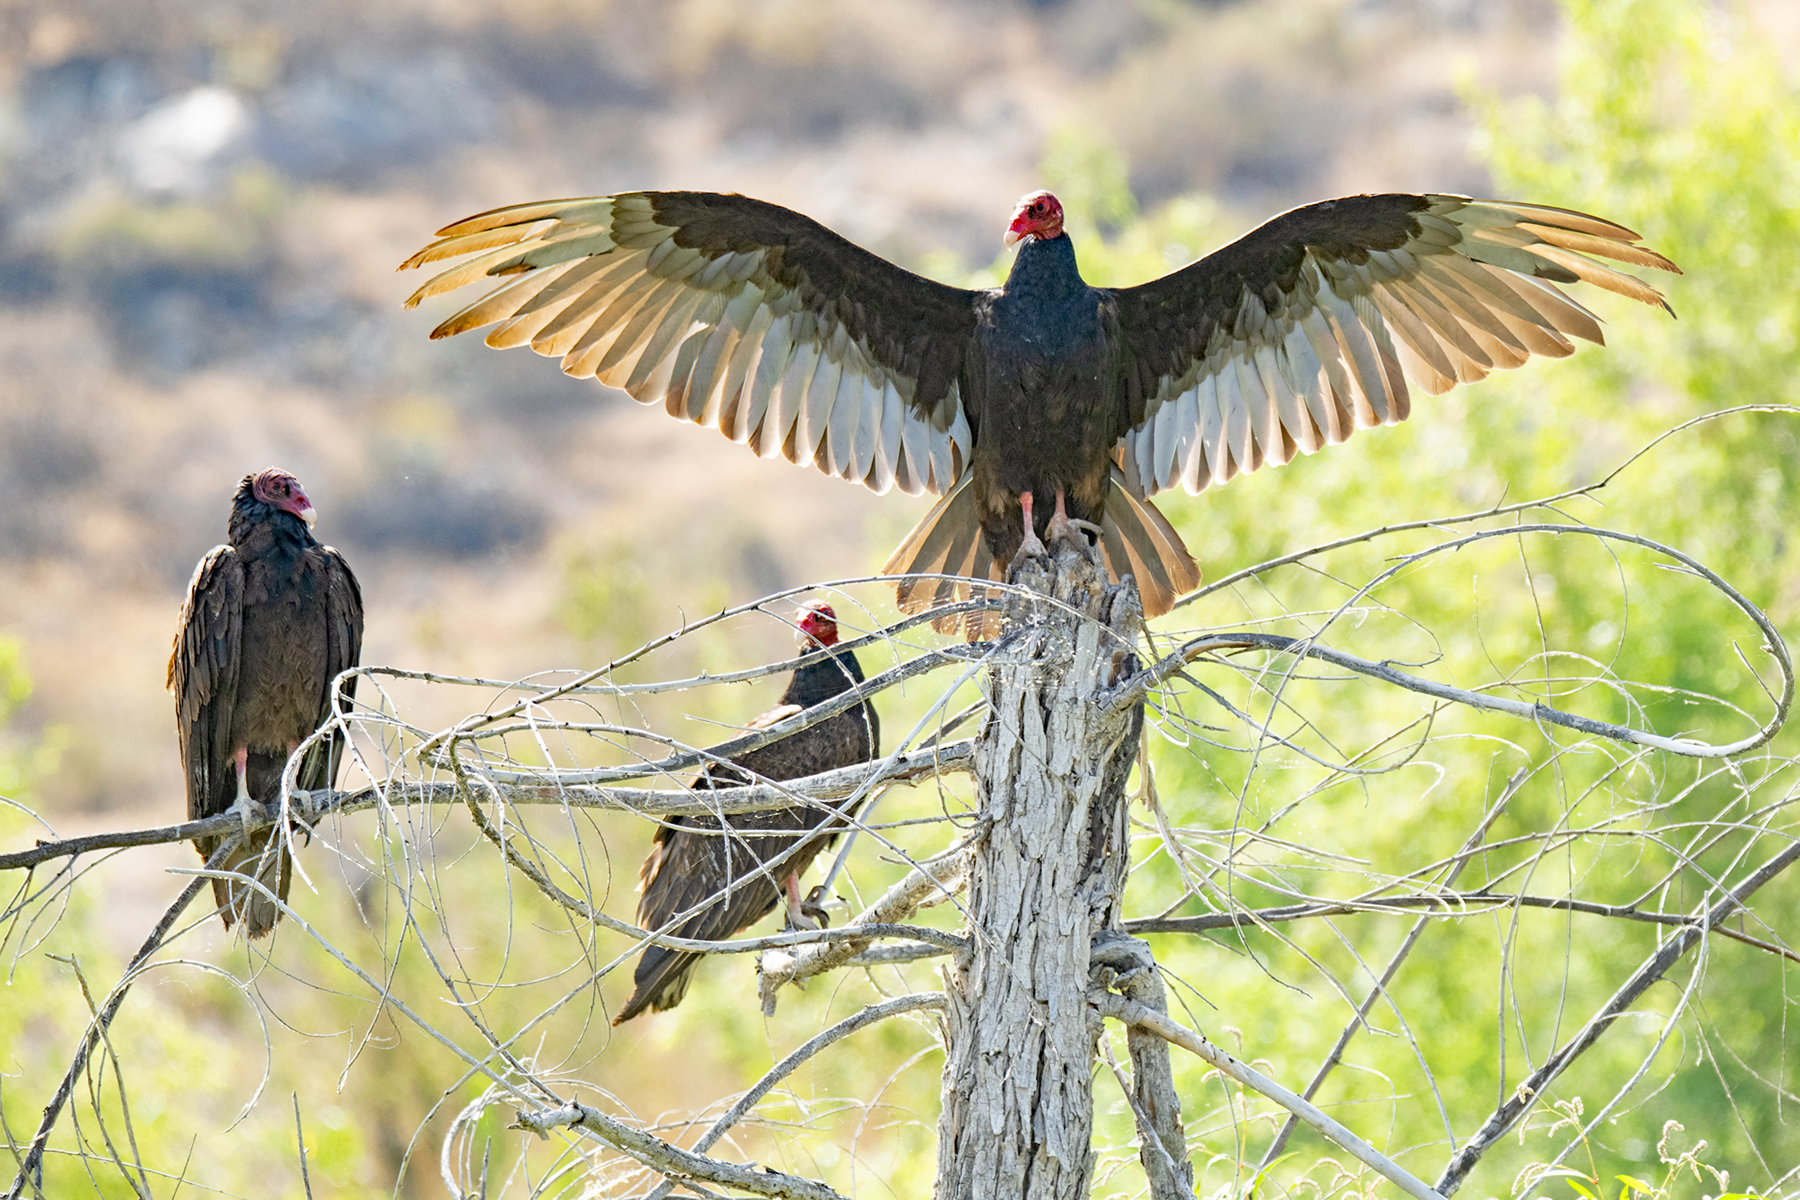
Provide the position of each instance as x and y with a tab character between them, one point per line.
1063	526
243	805
801	914
1031	544
791	889
1059	520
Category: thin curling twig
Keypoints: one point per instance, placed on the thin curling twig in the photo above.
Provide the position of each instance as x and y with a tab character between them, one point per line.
1486	514
744	743
587	679
1470	845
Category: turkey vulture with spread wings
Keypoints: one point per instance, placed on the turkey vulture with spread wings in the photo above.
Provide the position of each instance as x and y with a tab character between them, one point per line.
1045	396
271	619
694	861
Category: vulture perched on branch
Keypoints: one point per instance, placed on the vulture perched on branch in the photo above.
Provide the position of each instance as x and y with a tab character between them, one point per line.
695	860
271	619
1043	399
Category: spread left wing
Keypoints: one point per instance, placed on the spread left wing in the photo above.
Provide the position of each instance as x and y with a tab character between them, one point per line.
733	313
1308	328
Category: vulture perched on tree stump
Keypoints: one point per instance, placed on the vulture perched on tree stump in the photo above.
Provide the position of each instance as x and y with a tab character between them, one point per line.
271	619
720	875
1043	399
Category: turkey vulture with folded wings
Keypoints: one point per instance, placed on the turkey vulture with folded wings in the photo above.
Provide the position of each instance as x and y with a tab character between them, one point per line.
720	875
1045	397
270	620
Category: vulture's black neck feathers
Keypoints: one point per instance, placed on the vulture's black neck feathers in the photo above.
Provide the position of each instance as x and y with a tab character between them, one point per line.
817	682
1046	304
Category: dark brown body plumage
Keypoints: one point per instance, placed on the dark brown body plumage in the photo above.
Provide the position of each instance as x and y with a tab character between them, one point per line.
1044	392
271	618
692	861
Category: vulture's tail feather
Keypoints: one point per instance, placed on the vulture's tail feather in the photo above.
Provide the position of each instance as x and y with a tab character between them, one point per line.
947	541
245	906
1136	538
1140	542
660	982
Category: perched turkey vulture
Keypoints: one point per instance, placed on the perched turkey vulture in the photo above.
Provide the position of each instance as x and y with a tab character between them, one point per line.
1044	395
693	860
270	619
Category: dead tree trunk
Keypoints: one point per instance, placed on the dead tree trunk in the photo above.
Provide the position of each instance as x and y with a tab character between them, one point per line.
1045	882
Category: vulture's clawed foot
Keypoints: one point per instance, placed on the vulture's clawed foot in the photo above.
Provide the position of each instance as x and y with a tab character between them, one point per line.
1064	528
817	906
810	913
250	814
806	916
1083	535
301	812
1030	546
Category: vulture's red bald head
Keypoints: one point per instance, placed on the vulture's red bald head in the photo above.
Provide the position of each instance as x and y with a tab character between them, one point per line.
279	489
818	626
1039	215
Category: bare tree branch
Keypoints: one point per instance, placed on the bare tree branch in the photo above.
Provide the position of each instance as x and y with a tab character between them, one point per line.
1454	904
1127	964
300	1139
933	876
669	1159
660	802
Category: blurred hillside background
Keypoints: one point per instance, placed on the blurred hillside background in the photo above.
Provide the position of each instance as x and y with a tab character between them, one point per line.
201	206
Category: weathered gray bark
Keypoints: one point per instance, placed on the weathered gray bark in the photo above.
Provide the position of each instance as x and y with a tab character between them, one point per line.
1045	881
